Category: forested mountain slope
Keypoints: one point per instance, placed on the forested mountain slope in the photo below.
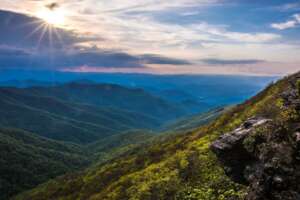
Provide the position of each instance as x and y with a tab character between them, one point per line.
27	160
64	120
111	95
184	166
113	146
194	121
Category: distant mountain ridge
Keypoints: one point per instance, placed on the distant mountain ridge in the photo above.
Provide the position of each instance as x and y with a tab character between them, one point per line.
82	113
196	93
27	83
112	95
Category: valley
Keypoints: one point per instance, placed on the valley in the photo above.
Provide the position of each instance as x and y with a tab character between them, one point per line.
48	131
184	166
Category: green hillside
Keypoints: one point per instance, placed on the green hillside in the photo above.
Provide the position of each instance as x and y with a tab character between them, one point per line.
61	120
177	167
116	145
192	122
110	95
28	160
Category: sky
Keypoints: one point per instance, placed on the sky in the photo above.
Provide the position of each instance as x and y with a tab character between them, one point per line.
243	37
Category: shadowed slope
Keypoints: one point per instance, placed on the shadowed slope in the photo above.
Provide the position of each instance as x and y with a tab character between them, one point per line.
28	160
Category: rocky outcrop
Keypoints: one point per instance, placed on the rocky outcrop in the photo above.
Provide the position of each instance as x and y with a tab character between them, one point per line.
271	167
230	149
265	154
290	98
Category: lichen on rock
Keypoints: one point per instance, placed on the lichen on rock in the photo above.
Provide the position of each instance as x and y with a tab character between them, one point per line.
264	154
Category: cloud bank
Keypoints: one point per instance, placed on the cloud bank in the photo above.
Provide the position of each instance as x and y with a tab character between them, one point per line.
26	43
155	36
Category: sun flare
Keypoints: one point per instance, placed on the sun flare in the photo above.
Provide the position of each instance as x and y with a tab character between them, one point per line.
53	17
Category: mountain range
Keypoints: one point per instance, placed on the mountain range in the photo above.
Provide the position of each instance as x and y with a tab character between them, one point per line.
107	141
251	151
83	113
50	130
200	92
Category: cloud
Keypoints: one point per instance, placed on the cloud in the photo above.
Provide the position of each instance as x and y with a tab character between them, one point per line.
153	5
24	45
223	35
287	7
117	59
288	24
189	13
6	51
26	31
15	58
136	25
285	25
156	59
216	61
52	6
175	32
297	17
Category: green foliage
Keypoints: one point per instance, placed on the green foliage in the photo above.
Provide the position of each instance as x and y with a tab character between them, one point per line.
256	137
116	145
163	170
28	160
35	111
195	121
111	95
298	86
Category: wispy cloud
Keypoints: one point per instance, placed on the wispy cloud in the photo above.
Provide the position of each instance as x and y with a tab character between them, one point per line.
288	7
151	5
297	17
216	61
294	22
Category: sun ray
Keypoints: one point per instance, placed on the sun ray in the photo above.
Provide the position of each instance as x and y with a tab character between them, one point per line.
58	36
38	28
34	22
45	28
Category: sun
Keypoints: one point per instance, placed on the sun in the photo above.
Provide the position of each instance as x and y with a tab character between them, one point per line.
55	17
